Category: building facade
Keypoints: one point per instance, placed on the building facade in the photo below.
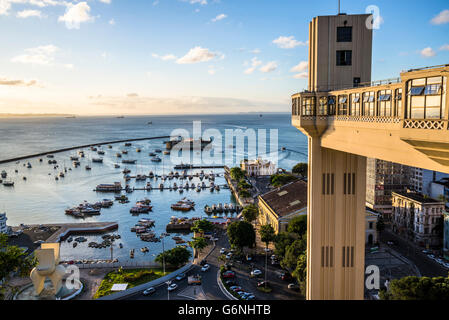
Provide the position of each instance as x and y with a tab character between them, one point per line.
446	236
371	226
383	178
259	167
418	218
280	206
3	227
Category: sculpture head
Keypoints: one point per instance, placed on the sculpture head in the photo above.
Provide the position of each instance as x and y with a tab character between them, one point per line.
48	266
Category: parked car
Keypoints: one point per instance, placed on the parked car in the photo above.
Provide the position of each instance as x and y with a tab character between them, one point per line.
203	262
229	274
256	273
149	291
273	257
236	288
250	297
285	276
229	256
262	284
228	266
180	276
172	287
222	251
426	252
293	286
231	283
205	268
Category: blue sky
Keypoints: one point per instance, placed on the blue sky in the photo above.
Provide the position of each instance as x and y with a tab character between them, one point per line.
188	56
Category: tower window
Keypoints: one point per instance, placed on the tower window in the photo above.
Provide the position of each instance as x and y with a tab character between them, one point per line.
344	34
344	58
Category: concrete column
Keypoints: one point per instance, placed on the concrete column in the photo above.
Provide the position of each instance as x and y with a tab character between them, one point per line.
336	224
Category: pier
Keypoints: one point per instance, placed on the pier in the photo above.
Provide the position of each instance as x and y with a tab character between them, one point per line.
79	147
67	229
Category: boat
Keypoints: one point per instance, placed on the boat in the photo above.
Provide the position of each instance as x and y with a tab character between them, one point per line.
131	253
61	174
74	158
29	165
8	183
88	168
116	187
107	203
75	244
166	152
152	154
97	160
138	150
119	155
117	166
101	152
148	186
4	174
129	161
183	205
128	144
126	171
217	187
125	152
156	159
109	146
158	151
151	175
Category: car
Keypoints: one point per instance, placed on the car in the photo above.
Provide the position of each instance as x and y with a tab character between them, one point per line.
293	286
242	293
231	283
273	257
256	272
236	288
262	283
250	297
172	287
228	274
274	262
215	239
267	250
203	262
285	276
228	266
205	268
149	291
229	256
431	256
222	251
180	276
426	252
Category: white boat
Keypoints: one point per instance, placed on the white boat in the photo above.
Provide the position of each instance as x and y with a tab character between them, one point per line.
8	183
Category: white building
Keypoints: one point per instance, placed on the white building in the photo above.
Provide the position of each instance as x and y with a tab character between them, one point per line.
3	226
371	226
258	167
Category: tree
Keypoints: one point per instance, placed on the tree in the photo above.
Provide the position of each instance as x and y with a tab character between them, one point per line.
198	244
243	184
279	180
13	260
201	226
282	241
237	174
241	234
267	234
300	272
292	253
298	225
301	169
244	193
176	256
417	288
250	213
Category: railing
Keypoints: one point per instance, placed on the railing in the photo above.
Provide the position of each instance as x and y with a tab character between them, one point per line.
375	83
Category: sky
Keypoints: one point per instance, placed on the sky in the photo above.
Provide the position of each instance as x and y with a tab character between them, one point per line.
97	57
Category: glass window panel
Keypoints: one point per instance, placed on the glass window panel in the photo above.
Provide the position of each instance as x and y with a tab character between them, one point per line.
432	113
419	82
434	80
433	101
417	101
417	91
331	100
417	113
432	89
371	99
387	97
343	99
356	99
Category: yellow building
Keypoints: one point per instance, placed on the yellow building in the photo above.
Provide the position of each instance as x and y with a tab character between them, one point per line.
279	206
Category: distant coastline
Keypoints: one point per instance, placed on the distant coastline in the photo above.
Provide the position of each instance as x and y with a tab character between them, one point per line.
35	115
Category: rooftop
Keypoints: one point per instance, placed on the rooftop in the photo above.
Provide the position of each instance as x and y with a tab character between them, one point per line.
418	197
287	199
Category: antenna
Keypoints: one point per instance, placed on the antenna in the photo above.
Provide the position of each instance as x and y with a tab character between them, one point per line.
339	6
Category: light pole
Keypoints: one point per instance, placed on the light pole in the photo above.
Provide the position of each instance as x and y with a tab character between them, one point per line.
266	266
163	235
168	290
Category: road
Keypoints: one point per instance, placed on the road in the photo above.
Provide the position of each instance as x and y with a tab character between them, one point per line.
426	266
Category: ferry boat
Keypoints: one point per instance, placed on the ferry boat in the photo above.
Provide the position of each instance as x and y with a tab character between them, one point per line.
97	160
156	159
116	187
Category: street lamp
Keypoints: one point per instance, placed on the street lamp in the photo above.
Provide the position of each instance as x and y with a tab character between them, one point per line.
168	291
163	235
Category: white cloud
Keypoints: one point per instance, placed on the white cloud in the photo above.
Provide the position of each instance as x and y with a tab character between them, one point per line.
42	55
441	18
302	75
302	66
288	42
18	83
166	57
106	1
428	52
269	67
5	5
201	2
445	47
29	13
197	55
254	64
255	51
76	14
219	17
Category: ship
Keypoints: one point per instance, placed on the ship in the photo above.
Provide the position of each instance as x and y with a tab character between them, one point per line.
191	144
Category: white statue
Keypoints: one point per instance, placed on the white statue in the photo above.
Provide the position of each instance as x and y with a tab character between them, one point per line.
48	257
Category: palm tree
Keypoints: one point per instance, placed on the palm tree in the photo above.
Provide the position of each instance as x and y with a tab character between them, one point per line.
198	244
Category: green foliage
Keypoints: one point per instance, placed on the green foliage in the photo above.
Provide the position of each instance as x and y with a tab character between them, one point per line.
417	288
292	253
241	234
131	277
298	225
267	234
13	259
201	226
301	169
244	193
175	257
243	184
380	225
300	271
198	244
279	180
282	241
237	173
250	213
